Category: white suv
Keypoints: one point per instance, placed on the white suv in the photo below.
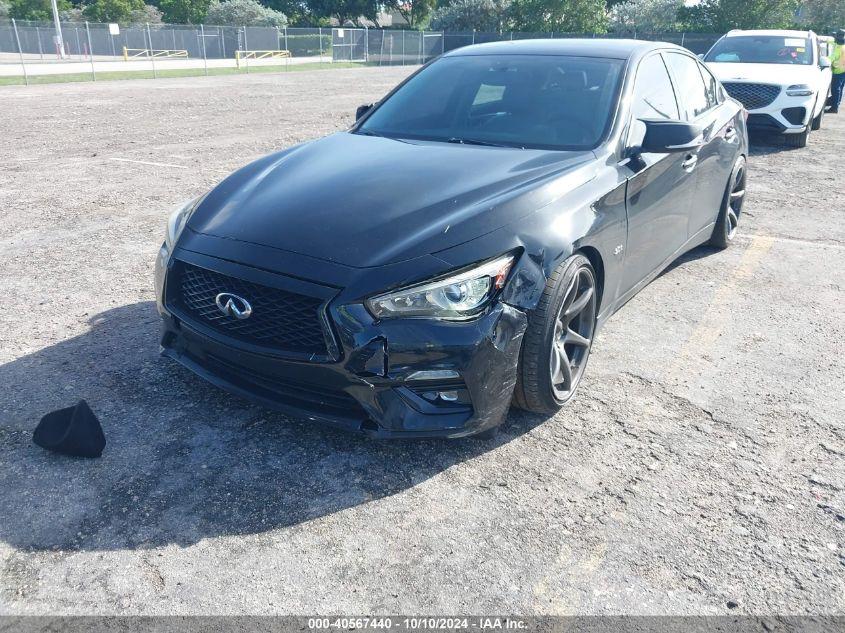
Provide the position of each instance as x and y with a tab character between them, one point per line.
781	77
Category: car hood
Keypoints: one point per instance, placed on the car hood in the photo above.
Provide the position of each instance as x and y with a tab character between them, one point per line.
778	74
367	201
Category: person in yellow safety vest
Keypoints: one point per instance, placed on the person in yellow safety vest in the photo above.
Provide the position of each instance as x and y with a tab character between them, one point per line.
837	60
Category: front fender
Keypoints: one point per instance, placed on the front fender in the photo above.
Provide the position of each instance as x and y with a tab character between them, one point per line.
589	219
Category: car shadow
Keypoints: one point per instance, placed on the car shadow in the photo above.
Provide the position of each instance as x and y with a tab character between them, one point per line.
699	252
184	461
763	144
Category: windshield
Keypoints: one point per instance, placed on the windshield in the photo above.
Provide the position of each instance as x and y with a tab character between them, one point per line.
762	49
531	101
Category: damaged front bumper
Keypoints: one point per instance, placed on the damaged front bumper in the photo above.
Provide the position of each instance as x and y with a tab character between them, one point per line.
389	379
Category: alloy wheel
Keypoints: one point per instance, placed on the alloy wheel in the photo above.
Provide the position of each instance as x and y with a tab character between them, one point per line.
573	334
735	203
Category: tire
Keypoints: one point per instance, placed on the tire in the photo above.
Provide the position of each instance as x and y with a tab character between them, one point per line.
563	323
728	219
817	122
489	434
799	140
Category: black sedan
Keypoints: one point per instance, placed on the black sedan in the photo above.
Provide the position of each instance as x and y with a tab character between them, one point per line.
459	247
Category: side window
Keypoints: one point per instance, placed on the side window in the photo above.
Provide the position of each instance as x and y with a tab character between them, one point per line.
653	97
714	95
824	49
690	86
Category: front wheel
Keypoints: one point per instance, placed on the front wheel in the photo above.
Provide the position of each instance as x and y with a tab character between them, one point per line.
557	342
728	220
799	140
817	122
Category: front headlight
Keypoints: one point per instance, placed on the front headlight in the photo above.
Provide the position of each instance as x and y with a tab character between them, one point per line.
177	220
457	297
799	90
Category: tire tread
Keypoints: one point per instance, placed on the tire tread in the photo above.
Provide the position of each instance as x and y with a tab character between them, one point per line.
799	140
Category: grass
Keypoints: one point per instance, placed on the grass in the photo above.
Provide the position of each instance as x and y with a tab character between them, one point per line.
120	75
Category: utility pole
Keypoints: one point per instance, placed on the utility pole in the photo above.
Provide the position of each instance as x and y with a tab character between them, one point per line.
150	51
204	58
57	38
20	51
90	52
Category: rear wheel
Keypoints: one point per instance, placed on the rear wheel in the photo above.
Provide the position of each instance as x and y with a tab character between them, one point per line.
728	220
799	140
557	343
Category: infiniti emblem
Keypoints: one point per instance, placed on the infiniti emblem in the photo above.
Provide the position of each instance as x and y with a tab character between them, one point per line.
233	305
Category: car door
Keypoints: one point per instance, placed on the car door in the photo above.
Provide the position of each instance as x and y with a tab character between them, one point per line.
718	156
824	76
659	185
703	103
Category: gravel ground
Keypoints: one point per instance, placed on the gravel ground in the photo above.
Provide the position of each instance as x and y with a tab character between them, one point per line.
700	470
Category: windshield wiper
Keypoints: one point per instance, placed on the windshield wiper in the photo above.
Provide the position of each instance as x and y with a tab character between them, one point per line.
474	141
370	133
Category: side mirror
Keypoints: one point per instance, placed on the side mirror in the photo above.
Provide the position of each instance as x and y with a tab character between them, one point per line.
362	110
667	136
824	62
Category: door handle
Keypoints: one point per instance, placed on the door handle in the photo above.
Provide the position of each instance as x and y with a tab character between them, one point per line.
690	162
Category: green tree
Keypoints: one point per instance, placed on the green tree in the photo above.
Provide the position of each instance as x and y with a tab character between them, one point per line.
468	15
567	16
646	16
74	14
244	13
5	10
416	12
35	9
718	16
183	11
297	12
146	15
823	16
344	10
112	10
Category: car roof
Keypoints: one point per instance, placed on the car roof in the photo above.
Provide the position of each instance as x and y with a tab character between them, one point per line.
773	32
580	47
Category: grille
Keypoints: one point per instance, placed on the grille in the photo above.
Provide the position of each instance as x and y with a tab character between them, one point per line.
306	396
280	320
764	123
752	96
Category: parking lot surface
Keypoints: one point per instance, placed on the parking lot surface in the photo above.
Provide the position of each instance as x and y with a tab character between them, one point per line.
701	469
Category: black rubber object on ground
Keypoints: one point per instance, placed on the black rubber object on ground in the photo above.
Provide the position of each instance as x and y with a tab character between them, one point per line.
74	431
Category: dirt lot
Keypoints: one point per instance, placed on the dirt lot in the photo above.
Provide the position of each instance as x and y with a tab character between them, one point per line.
700	470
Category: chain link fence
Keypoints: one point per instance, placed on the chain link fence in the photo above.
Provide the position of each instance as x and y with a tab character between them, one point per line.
211	42
27	47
